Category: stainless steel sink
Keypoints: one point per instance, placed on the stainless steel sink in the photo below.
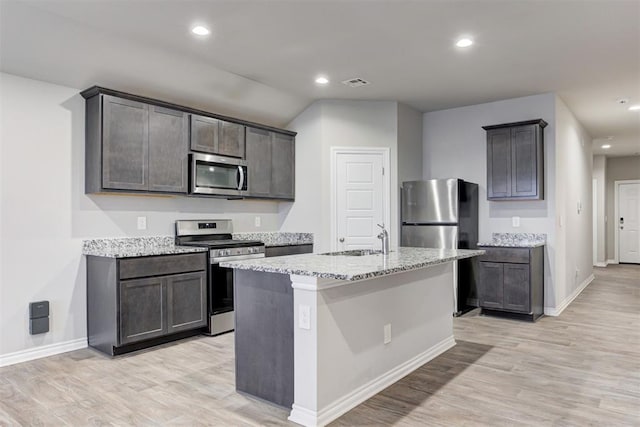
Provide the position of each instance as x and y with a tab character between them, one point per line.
354	252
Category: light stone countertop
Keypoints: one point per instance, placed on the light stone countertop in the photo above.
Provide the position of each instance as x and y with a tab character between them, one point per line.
276	238
353	268
128	247
516	240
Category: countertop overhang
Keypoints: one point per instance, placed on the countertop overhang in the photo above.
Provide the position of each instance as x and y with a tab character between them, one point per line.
354	268
515	240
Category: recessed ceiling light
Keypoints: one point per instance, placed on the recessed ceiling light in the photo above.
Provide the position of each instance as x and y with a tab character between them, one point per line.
464	42
634	107
606	146
322	80
199	30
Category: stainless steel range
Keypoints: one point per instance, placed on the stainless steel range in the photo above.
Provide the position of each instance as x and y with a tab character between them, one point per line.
216	234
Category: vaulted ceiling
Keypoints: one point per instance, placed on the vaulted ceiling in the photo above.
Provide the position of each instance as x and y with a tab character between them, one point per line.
261	59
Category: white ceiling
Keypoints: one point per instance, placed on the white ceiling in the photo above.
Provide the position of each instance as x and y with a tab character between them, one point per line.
261	60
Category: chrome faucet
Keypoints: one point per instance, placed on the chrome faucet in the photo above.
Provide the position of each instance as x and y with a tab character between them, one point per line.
384	236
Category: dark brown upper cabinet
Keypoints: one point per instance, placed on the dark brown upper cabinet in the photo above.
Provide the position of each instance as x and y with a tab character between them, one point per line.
515	160
136	144
204	133
271	164
168	167
210	135
133	146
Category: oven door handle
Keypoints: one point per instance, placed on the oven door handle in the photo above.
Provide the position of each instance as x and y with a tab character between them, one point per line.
217	260
241	171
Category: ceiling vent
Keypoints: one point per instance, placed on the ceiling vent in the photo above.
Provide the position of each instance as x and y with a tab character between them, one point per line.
357	82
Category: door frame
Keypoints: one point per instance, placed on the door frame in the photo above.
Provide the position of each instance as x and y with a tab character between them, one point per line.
616	230
333	192
594	219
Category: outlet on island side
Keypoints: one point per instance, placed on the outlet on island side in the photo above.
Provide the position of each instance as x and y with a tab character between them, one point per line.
304	317
142	223
387	333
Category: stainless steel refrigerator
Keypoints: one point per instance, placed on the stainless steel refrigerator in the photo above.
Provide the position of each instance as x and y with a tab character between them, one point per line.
443	213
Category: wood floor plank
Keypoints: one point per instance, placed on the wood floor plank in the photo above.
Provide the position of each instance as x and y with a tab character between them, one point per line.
579	369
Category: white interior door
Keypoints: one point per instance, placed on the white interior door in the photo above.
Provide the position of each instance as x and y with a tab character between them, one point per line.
629	222
359	199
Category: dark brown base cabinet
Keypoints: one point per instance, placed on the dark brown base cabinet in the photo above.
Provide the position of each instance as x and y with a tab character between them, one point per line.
264	331
133	303
511	282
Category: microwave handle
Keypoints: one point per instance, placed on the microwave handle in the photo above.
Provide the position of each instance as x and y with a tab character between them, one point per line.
241	184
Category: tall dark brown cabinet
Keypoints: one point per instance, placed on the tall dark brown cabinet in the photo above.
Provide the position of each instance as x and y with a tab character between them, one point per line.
515	160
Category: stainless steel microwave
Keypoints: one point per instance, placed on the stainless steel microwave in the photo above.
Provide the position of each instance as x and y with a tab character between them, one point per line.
217	175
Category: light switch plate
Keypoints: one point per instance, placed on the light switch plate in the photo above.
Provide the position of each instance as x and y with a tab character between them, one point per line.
387	333
515	221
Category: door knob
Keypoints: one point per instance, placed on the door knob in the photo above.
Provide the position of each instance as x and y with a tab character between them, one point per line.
341	239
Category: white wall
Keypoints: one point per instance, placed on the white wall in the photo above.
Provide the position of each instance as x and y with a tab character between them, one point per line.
409	148
44	213
455	147
618	169
574	252
409	144
338	123
600	177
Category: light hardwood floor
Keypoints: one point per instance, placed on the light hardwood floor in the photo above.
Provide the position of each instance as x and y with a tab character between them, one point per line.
579	369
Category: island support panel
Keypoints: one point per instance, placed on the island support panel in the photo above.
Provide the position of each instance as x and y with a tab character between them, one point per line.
264	335
341	360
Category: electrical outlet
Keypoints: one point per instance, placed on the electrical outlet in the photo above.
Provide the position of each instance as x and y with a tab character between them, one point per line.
515	221
142	223
387	333
304	317
257	221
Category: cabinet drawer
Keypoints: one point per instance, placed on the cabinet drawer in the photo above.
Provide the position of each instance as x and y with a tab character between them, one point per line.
162	265
513	255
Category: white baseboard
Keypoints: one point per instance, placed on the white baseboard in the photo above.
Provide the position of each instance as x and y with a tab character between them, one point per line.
42	351
556	311
612	261
310	418
601	264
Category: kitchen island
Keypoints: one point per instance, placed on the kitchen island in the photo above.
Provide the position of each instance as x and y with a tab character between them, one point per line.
322	333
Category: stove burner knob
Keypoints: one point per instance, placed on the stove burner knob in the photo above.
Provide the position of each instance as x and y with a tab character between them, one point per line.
225	252
250	250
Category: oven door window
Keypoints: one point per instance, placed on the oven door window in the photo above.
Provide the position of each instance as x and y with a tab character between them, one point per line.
213	175
221	292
